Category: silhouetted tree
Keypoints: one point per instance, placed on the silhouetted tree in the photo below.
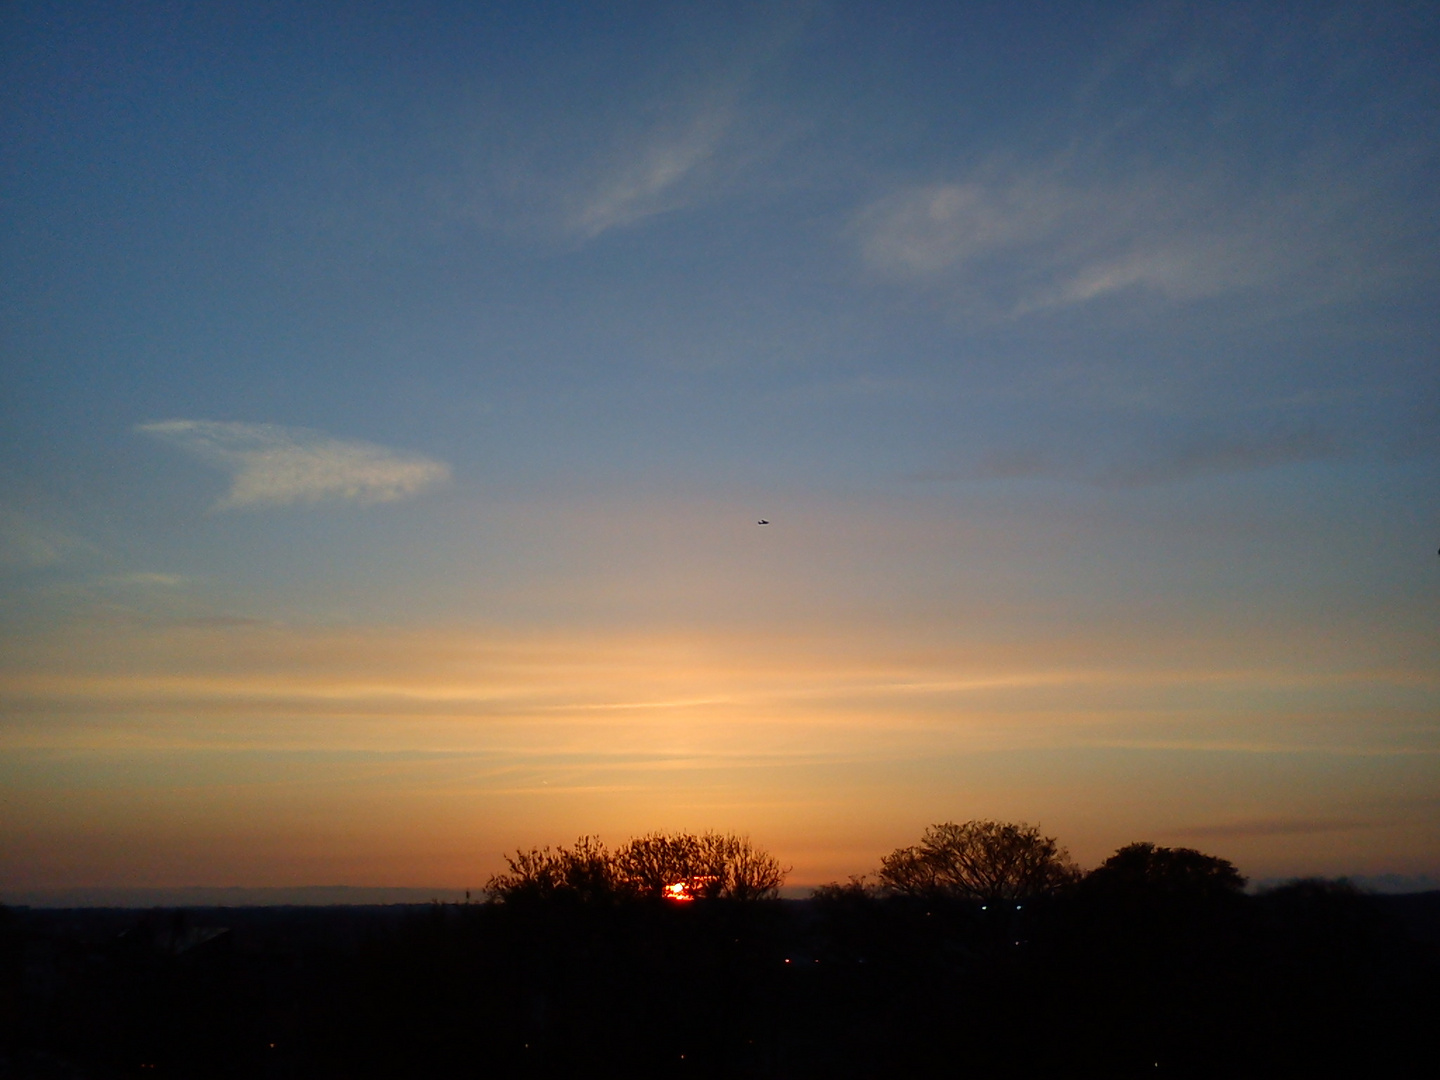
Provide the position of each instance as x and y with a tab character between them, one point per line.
650	864
1154	958
1163	871
711	865
679	865
983	861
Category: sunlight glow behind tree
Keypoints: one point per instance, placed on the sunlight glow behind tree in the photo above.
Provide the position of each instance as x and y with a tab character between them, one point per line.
672	866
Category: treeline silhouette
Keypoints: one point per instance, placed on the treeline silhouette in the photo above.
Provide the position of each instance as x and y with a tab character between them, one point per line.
981	951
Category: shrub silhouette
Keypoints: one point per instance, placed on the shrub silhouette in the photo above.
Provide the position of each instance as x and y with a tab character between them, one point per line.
982	861
584	873
685	866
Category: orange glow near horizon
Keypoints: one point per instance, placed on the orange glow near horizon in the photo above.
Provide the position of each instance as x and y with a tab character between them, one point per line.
271	755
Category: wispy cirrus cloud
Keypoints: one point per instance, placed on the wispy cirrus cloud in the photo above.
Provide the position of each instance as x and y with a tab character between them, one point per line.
1154	458
1151	181
271	465
145	579
650	175
1036	240
1267	827
678	129
29	543
1159	460
617	176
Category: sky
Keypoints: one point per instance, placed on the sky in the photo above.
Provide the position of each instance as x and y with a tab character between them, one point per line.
389	395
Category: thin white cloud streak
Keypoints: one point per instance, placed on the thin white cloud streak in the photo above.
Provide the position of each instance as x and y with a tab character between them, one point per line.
1022	233
272	465
710	130
1159	460
678	132
1266	827
145	579
30	544
1030	242
649	176
1128	201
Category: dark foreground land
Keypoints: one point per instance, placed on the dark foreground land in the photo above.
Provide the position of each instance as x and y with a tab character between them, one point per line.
1311	980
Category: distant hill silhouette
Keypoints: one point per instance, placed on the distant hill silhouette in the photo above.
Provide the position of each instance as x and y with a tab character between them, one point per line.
225	896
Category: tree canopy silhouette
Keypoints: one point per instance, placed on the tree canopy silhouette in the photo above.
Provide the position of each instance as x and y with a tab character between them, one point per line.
678	866
1164	871
983	861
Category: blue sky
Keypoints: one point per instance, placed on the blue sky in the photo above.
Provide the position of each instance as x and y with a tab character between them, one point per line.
359	358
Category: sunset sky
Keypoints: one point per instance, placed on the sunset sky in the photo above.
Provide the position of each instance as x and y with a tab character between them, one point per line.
389	394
